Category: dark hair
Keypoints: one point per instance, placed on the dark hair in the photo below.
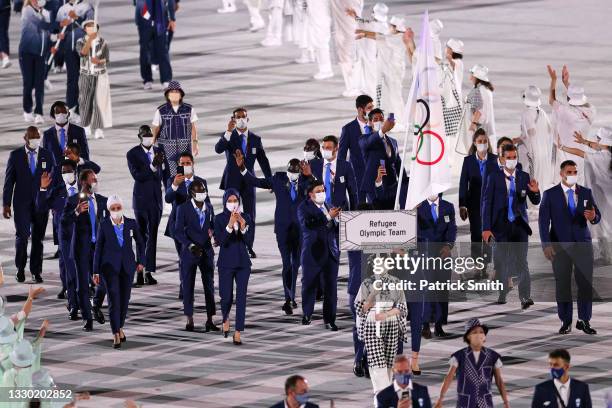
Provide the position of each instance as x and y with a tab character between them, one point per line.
67	162
560	353
194	184
486	84
374	112
291	382
240	109
509	148
185	154
502	140
55	105
567	163
294	162
84	175
314	142
362	101
331	138
144	131
479	132
74	147
456	55
31	130
313	184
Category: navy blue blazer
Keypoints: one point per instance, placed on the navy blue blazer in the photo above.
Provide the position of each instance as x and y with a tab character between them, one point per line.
54	198
20	185
495	202
177	198
344	185
75	134
109	256
167	10
374	151
544	395
471	183
442	231
387	397
231	174
282	405
147	193
349	142
318	236
233	246
556	222
187	228
79	227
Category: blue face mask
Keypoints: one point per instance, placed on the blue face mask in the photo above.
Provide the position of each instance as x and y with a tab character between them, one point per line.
302	398
402	379
557	373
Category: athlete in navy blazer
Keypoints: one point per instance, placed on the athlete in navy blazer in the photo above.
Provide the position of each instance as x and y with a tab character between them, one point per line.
545	395
320	254
21	185
194	235
115	263
74	134
387	397
566	241
149	169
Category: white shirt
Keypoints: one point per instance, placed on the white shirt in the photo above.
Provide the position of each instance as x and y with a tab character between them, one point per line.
333	169
287	406
573	189
117	223
399	390
153	168
362	125
564	389
157	117
227	134
190	180
436	202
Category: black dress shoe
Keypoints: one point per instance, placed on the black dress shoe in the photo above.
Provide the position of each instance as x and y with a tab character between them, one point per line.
98	315
88	326
416	372
501	300
358	370
293	304
116	345
585	327
236	342
331	326
526	303
20	276
123	339
149	279
74	314
139	279
62	294
439	331
306	320
189	327
565	329
287	308
426	332
37	278
210	326
366	370
252	253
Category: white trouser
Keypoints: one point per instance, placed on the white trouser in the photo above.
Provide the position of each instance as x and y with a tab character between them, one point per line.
275	24
364	70
344	37
319	30
380	378
254	13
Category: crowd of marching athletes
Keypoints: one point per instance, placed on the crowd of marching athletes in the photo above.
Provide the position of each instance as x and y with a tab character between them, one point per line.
103	253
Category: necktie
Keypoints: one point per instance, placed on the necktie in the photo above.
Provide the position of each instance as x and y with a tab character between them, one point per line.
119	233
92	219
482	163
328	176
511	192
434	214
244	144
570	202
187	183
293	191
150	155
367	130
201	216
32	154
63	139
71	191
387	146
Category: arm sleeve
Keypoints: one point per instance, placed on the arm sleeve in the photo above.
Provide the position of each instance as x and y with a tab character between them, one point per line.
179	228
222	144
265	183
487	201
344	144
353	190
9	182
263	161
544	220
463	184
98	251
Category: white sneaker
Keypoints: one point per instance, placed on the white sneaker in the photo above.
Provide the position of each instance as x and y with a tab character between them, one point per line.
39	120
154	68
147	85
56	70
48	85
303	60
165	85
323	75
87	130
229	9
28	117
6	62
98	134
257	27
272	42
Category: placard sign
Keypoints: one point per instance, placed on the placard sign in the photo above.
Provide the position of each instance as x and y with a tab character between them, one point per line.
376	229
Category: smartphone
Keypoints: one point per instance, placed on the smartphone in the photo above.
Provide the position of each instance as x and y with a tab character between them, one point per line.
382	162
392	117
589	205
82	197
406	394
180	170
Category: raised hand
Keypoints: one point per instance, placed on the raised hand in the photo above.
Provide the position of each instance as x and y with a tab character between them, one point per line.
565	76
45	180
533	186
578	138
239	159
305	168
552	73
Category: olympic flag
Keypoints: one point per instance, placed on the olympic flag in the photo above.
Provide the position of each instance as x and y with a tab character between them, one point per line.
429	166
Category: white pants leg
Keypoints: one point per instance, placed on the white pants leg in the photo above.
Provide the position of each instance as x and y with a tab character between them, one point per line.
380	378
275	27
257	22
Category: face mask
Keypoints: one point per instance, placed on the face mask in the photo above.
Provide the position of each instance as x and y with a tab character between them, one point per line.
94	187
34	143
200	197
302	398
241	123
481	147
511	164
116	215
61	118
557	373
320	197
188	170
42	3
366	113
309	155
571	180
68	178
293	176
327	154
402	379
432	198
147	141
377	126
231	207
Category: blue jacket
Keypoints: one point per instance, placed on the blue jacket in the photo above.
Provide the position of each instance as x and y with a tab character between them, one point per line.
344	185
471	183
109	256
188	231
35	26
79	227
349	142
75	134
147	193
387	397
495	202
318	236
231	174
556	222
74	32
442	231
165	7
544	395
232	246
20	186
374	151
177	198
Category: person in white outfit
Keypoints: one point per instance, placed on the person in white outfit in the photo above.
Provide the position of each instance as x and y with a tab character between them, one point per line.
454	57
480	99
344	39
257	21
319	34
229	6
301	38
279	18
364	68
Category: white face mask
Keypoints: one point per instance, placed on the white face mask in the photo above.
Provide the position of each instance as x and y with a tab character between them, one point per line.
376	126
94	187
116	215
327	154
571	180
68	178
432	198
241	123
320	197
481	147
188	170
200	197
61	118
147	141
34	143
511	164
231	207
309	155
293	176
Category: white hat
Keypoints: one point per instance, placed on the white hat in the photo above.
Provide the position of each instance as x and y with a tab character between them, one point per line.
380	12
42	379
605	135
399	23
531	96
8	334
435	27
481	72
455	45
22	354
90	21
112	200
576	95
